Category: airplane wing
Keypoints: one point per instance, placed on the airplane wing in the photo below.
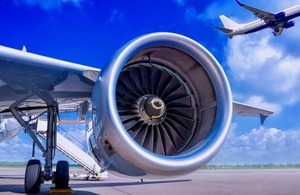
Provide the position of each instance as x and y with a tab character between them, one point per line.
29	76
266	16
241	109
23	74
130	118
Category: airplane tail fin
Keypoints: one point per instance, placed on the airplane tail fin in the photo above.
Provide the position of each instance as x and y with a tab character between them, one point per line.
229	25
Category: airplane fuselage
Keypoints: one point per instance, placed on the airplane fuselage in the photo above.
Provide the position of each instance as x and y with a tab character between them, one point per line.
260	24
277	21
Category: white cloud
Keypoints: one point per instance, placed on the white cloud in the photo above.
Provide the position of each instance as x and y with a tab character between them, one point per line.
262	103
19	148
263	139
267	69
247	56
49	4
15	150
260	146
256	60
76	133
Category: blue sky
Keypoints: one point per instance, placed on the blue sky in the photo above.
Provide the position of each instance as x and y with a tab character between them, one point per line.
263	70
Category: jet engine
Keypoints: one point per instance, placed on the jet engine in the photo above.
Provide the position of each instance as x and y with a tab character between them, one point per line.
289	24
161	107
279	15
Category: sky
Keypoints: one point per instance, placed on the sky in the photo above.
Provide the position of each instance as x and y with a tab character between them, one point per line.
263	70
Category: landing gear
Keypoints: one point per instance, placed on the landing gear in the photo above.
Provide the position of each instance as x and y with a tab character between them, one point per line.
62	175
33	177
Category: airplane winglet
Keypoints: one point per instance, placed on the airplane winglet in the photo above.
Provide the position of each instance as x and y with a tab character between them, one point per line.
241	4
24	48
262	118
247	110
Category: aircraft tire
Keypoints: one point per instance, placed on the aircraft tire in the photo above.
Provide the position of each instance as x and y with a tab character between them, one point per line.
33	177
62	175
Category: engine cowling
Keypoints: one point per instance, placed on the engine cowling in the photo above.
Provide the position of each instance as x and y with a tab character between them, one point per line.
279	15
161	107
289	24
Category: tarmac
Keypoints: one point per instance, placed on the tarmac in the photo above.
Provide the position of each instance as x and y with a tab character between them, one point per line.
207	182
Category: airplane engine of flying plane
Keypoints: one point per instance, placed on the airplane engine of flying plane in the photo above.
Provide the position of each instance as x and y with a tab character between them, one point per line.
278	21
161	107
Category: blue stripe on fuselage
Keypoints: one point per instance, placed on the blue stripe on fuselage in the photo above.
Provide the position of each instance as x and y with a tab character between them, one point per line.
284	20
257	29
292	16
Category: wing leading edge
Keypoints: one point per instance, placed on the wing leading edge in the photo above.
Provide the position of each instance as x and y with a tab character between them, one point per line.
241	109
277	24
71	84
276	21
266	16
25	76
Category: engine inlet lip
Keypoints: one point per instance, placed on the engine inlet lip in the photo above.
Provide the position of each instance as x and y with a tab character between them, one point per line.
193	158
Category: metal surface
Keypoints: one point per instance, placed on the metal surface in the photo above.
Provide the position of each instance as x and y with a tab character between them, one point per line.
169	67
22	72
168	131
161	107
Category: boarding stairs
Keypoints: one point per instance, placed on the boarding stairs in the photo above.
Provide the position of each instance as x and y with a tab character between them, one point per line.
72	150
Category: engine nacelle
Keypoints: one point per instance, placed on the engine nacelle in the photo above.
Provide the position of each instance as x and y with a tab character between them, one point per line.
279	15
289	24
161	107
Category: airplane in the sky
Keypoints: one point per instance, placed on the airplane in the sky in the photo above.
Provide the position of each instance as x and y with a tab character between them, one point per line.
162	107
276	21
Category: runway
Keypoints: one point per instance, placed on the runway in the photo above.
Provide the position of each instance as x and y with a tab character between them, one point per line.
214	182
